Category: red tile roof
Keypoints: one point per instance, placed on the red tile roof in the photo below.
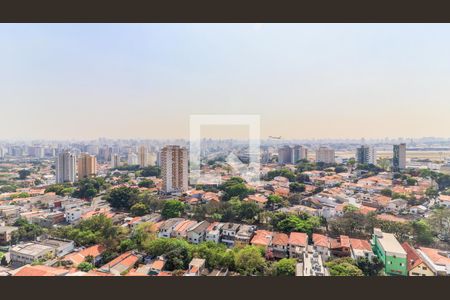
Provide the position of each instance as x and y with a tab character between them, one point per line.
40	270
434	255
298	239
280	239
320	240
262	238
412	257
359	244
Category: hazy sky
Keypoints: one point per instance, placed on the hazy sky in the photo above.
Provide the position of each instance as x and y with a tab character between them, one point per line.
304	80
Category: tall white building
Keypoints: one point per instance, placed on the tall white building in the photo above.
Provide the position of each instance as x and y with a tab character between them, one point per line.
174	168
132	159
366	155
143	156
65	167
115	160
399	158
299	153
325	155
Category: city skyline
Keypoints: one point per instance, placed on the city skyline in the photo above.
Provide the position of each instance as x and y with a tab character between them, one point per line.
321	81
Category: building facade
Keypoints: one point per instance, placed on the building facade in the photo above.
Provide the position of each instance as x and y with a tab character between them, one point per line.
87	166
365	155
325	155
390	252
399	157
174	169
65	167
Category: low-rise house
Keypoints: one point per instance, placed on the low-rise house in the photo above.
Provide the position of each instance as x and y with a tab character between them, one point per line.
28	253
121	264
280	245
297	243
157	266
229	232
94	252
262	238
260	200
165	230
196	267
245	234
437	260
213	232
361	249
40	270
340	247
321	245
210	196
444	200
390	252
397	205
417	210
6	233
9	211
197	233
182	228
73	215
61	246
416	265
49	219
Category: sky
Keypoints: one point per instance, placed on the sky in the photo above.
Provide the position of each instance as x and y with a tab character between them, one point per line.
84	81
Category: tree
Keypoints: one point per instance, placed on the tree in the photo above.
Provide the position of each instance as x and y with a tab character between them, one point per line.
386	192
282	172
285	267
422	233
248	211
345	266
23	174
88	188
431	193
26	231
235	187
123	197
370	267
296	187
146	183
411	181
274	201
139	209
172	209
3	261
85	266
288	223
250	261
150	171
175	251
302	178
340	169
439	221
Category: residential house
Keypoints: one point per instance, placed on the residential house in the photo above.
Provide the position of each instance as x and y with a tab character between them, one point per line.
28	253
213	232
361	249
444	200
260	200
197	233
416	265
61	246
196	267
245	234
121	264
94	252
397	205
321	245
340	247
6	233
229	232
157	266
438	260
40	270
165	230
297	243
262	238
280	245
182	228
312	264
390	252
